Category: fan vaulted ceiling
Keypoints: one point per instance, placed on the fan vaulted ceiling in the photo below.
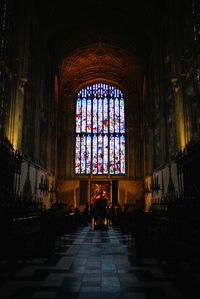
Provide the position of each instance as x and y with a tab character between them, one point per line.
98	40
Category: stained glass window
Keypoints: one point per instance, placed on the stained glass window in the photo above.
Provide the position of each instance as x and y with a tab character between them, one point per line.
100	130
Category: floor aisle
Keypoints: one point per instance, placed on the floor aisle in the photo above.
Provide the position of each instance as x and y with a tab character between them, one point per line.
90	264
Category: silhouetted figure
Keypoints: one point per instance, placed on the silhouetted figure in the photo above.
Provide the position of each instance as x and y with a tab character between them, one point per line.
99	211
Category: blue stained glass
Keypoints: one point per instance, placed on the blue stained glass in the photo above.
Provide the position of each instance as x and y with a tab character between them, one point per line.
100	154
117	155
94	154
105	154
100	118
78	115
122	153
111	116
88	155
112	155
83	143
122	116
105	115
77	155
95	109
89	115
84	115
117	117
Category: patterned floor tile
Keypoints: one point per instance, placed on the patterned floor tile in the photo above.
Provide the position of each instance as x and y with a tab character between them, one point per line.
91	264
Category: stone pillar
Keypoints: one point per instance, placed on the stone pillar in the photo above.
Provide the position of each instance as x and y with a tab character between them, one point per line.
180	121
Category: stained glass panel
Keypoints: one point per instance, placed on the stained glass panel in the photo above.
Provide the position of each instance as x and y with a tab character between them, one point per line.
105	115
77	155
94	152
95	109
88	155
89	115
111	116
83	154
117	155
122	153
105	154
117	115
78	116
84	118
122	116
100	116
100	130
100	154
112	154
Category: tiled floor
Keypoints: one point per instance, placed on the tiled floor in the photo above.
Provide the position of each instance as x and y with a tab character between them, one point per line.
91	264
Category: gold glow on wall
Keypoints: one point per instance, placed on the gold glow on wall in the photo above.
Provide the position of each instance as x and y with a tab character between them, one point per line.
13	133
14	123
16	135
182	133
180	122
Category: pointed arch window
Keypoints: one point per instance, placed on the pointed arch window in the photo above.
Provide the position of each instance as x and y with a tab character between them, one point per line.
100	131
